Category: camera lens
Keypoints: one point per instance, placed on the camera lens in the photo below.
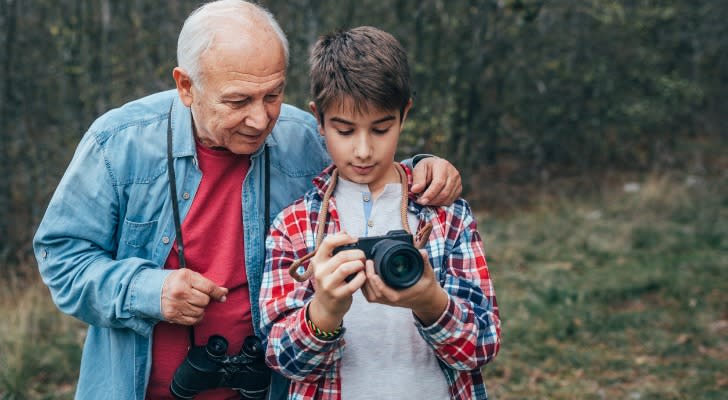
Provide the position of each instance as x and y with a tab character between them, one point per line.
398	263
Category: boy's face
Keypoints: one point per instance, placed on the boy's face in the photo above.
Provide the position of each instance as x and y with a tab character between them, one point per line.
362	145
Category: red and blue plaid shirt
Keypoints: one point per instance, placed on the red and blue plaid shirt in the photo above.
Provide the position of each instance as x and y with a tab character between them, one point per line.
464	338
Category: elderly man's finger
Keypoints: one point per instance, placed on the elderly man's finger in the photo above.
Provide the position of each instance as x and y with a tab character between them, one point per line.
208	287
449	193
198	299
434	190
442	183
420	176
183	318
181	312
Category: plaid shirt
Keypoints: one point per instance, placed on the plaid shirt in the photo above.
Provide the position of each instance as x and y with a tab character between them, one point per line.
464	338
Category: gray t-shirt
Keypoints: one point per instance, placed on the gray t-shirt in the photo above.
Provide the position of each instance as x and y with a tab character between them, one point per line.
385	357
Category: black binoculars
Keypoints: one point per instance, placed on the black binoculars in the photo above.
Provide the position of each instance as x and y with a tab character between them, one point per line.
208	367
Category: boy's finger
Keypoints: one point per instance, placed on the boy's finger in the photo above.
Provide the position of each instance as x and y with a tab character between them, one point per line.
333	241
425	258
357	281
374	282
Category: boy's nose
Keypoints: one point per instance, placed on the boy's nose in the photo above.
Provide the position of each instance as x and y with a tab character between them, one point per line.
362	147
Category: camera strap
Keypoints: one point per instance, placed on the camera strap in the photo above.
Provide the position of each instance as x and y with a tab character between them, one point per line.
419	239
175	205
173	193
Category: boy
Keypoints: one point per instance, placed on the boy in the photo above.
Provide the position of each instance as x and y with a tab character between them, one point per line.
343	333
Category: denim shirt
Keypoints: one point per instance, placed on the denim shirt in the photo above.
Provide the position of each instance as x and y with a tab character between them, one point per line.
109	228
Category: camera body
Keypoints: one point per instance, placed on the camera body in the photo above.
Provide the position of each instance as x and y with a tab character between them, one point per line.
396	260
208	367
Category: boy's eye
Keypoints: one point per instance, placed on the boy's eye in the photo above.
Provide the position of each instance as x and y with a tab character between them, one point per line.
345	132
380	130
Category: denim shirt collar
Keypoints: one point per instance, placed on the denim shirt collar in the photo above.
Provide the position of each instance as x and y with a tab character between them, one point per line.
183	137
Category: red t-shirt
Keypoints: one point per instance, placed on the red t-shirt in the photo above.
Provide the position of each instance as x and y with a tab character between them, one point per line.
213	238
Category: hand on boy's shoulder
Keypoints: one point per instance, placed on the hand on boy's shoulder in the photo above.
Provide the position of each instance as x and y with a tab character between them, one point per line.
445	182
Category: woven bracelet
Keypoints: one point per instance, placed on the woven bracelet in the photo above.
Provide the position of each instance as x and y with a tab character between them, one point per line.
323	335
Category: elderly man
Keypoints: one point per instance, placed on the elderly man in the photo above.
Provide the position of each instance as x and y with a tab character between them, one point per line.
155	234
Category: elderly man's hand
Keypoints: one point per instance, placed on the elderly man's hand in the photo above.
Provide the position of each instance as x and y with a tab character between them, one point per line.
185	294
439	179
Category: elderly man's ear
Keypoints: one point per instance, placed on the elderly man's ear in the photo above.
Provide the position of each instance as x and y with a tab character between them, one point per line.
184	85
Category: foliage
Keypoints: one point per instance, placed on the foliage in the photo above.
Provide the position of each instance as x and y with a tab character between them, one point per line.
541	87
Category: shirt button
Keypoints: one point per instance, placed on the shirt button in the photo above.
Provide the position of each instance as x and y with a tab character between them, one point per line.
370	223
44	254
366	198
186	195
165	240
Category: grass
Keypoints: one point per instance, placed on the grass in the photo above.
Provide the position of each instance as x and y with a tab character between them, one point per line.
620	295
612	295
40	349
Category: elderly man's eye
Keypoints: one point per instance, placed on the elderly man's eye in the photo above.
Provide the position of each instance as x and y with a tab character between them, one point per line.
238	103
272	97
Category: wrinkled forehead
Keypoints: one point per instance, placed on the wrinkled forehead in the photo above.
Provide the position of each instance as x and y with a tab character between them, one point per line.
248	39
255	55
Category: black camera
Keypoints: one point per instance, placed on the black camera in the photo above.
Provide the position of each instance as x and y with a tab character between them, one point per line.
208	367
396	260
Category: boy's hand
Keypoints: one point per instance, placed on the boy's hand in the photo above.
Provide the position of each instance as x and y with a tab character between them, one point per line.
333	295
440	178
425	298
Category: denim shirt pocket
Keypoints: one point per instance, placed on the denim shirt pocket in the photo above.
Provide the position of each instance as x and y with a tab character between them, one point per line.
137	235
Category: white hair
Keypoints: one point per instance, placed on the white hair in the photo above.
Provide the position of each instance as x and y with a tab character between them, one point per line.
202	24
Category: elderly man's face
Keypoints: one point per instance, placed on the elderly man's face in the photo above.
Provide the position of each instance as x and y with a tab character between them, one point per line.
238	97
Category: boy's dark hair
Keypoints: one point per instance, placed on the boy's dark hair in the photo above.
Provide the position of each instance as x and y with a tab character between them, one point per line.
365	64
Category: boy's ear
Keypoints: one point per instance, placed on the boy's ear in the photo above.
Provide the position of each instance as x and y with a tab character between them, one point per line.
314	111
184	85
406	110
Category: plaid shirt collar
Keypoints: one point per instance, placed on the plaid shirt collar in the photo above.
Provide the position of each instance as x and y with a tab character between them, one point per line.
323	181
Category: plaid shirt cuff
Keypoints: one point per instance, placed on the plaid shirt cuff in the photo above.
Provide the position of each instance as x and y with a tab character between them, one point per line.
445	326
304	337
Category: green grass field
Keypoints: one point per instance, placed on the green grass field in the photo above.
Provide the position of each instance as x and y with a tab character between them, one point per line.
614	295
623	295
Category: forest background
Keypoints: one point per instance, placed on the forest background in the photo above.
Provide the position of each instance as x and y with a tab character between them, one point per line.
591	137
